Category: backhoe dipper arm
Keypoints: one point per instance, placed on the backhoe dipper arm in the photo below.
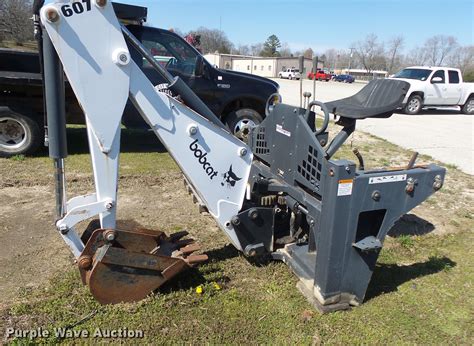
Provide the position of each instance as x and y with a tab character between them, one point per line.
89	41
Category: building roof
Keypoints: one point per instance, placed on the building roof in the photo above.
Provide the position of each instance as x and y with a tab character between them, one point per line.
242	57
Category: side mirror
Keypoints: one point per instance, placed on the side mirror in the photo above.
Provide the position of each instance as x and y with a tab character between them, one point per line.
435	80
199	68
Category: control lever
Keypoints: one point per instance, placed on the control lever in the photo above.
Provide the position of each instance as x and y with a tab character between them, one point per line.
307	96
411	163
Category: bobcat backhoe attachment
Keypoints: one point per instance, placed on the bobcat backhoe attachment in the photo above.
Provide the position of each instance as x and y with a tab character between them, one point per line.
281	194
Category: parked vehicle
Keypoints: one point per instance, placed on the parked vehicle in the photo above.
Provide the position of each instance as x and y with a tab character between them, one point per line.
320	75
238	99
290	73
346	78
436	87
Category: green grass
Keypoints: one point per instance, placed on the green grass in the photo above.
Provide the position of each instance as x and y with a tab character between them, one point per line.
428	300
405	241
421	291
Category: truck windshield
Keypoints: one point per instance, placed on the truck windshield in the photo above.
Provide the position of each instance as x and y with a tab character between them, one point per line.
413	73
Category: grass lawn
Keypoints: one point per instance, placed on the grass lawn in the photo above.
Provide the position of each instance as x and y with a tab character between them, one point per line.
421	291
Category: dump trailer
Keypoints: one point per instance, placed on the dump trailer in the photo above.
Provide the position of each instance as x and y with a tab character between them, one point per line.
282	194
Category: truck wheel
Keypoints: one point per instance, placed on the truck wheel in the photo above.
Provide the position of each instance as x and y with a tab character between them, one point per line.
240	122
19	134
413	105
468	107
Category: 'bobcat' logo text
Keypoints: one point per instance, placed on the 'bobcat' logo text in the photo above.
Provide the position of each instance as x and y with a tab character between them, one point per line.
201	157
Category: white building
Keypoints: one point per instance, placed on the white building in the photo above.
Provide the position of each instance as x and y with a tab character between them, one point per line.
261	66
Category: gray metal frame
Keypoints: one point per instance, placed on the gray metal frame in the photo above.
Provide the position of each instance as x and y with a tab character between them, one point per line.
347	212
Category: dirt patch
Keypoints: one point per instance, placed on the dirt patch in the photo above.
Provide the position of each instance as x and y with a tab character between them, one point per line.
30	248
31	252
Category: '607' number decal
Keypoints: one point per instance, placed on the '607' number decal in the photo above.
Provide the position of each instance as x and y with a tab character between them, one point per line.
75	7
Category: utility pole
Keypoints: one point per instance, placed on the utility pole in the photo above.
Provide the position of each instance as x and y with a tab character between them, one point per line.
350	59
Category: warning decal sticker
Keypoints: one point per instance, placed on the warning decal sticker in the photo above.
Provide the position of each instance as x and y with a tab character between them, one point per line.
345	187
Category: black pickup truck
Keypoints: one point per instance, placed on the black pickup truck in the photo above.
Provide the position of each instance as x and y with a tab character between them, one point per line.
238	99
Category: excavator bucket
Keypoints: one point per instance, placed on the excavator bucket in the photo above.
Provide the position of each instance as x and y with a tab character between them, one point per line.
126	266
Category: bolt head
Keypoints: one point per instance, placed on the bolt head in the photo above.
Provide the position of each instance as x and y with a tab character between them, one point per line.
121	57
243	152
192	130
235	221
110	235
376	195
101	3
52	15
109	206
253	214
84	262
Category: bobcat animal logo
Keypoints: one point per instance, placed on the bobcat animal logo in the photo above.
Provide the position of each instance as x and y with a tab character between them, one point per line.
230	178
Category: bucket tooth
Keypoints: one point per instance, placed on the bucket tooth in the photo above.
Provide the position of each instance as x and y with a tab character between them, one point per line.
194	260
126	266
189	249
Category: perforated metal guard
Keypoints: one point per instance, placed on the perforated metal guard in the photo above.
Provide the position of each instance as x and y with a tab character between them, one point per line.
261	146
310	169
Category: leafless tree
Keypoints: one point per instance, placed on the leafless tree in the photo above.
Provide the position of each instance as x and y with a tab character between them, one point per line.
395	45
462	58
337	59
15	22
213	40
256	48
370	53
285	50
242	49
416	56
438	48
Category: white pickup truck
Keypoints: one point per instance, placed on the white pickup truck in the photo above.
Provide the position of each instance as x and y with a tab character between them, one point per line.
436	87
290	73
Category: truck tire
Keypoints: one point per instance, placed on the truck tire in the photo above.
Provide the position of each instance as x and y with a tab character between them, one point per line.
19	134
240	121
468	107
414	105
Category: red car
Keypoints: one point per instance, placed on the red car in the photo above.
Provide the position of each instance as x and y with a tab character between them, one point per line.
320	75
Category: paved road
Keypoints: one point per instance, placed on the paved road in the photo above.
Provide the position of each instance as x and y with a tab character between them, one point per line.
448	136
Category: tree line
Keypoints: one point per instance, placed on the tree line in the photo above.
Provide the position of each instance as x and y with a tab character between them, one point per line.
369	53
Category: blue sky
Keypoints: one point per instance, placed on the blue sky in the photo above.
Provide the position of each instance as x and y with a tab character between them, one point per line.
317	24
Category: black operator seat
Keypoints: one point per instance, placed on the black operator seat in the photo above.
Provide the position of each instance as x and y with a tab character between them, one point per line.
378	99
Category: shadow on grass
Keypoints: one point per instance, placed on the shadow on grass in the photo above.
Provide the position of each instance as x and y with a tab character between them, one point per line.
387	277
410	224
132	141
